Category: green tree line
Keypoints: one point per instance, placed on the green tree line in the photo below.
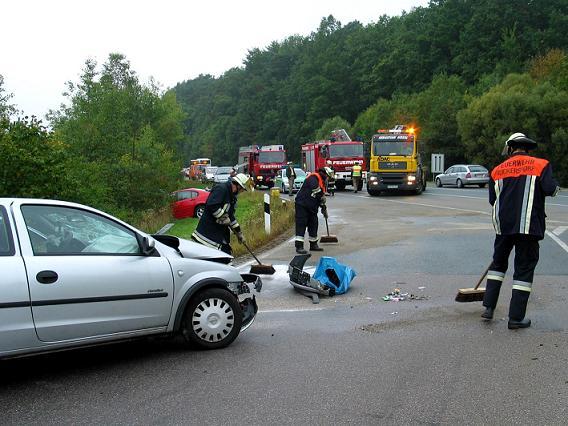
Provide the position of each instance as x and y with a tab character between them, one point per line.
466	73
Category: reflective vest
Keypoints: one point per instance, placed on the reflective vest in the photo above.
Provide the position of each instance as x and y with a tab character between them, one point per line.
356	171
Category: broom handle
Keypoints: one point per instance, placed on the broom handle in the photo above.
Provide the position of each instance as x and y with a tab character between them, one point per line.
326	225
482	277
247	247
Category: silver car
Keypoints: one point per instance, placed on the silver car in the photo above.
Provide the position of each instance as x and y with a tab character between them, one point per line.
461	175
73	276
222	174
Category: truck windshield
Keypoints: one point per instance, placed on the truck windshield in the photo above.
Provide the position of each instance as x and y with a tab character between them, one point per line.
390	147
345	150
271	157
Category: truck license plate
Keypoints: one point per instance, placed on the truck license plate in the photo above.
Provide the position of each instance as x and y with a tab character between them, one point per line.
392	186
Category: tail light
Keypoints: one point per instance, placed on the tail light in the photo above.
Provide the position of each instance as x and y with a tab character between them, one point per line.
468	175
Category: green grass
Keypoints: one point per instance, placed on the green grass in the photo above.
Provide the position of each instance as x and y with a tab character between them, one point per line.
250	215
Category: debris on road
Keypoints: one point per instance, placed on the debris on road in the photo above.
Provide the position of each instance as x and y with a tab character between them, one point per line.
397	296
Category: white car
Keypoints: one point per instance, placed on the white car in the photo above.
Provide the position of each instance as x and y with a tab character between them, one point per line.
210	173
222	174
72	276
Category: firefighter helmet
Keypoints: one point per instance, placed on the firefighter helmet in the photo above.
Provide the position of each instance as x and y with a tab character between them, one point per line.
326	171
241	180
518	140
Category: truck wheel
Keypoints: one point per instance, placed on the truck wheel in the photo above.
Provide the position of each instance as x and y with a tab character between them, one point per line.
340	186
212	319
373	193
482	185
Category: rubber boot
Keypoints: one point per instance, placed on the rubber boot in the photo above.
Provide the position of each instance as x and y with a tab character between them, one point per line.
518	308
488	313
314	247
300	247
492	289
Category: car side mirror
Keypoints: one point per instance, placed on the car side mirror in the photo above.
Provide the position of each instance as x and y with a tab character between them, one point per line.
148	246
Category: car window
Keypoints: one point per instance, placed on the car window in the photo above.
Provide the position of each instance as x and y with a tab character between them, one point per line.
450	170
193	194
57	230
299	172
6	242
477	169
182	195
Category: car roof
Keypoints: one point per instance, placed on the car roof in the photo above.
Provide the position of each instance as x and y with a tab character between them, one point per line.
191	189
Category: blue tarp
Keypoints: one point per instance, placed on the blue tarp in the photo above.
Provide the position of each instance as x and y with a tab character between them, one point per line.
344	274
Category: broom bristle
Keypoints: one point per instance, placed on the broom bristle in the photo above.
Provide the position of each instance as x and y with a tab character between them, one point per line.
470	294
328	239
262	269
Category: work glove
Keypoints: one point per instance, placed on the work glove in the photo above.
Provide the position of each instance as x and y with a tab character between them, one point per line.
224	220
241	237
322	201
324	211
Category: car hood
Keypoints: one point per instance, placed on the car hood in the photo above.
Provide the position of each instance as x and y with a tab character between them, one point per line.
191	250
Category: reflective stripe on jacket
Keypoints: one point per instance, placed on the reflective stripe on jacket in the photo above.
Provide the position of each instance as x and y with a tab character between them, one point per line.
311	192
356	171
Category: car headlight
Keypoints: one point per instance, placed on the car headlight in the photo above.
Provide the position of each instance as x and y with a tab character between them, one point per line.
372	178
411	178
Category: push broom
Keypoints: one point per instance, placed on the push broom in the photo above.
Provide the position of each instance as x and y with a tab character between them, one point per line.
259	269
328	238
473	294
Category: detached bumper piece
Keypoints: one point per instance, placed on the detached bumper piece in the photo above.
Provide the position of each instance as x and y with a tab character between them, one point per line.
303	282
247	299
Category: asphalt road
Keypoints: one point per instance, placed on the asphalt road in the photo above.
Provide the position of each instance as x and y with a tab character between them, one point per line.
351	359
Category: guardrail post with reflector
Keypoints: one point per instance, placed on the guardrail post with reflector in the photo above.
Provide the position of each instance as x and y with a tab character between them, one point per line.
267	213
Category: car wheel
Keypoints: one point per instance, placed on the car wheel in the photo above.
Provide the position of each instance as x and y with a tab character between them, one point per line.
199	210
438	183
482	185
212	319
459	183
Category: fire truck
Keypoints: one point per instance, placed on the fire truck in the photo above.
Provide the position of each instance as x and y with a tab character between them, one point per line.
196	169
262	163
395	164
341	151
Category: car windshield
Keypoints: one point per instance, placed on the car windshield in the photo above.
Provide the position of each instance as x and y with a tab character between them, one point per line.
477	169
299	172
393	145
345	150
271	156
211	170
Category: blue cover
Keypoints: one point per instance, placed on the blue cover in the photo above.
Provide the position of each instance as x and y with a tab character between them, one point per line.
344	273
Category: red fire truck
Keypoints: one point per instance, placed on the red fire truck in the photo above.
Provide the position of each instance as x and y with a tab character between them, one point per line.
341	151
262	163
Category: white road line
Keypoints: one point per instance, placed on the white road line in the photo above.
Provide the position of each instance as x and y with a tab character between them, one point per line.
560	230
426	205
561	243
482	198
269	311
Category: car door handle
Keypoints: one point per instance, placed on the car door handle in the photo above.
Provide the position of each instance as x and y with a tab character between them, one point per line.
47	277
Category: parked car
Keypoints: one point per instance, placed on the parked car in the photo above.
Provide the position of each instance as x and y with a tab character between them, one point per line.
189	202
222	174
281	180
210	173
75	276
464	174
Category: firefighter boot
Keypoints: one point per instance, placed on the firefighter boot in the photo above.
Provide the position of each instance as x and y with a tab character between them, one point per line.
300	247
490	298
314	246
517	309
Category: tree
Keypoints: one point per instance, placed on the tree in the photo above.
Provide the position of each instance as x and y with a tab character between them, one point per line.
6	109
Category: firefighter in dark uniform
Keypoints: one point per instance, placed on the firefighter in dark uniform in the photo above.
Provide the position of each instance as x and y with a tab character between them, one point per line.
309	199
218	219
517	192
331	179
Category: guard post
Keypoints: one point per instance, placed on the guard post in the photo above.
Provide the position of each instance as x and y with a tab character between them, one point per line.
267	213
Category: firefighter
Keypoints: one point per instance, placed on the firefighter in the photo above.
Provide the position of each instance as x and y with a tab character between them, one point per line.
517	192
213	229
331	179
356	175
291	174
309	199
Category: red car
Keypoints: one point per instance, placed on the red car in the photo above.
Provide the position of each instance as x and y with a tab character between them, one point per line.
189	202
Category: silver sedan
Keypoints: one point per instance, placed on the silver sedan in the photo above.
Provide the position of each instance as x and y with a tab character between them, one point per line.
461	175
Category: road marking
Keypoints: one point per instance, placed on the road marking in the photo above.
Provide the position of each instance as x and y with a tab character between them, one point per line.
483	198
269	311
560	230
558	240
426	205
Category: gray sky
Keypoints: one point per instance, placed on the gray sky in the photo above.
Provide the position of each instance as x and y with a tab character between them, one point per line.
46	42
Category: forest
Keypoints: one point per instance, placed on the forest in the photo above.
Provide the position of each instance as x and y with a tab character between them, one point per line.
465	73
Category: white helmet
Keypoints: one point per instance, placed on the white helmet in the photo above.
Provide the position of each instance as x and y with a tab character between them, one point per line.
241	180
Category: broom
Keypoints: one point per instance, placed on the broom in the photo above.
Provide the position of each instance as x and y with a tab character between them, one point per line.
474	294
260	268
328	238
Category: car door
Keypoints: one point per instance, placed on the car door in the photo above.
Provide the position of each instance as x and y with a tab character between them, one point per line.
185	204
16	323
87	276
447	176
460	174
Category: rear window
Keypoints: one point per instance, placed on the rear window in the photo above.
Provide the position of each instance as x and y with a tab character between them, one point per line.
6	242
477	169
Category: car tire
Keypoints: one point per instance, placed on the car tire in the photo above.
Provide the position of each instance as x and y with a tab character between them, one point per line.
373	193
212	319
482	185
459	183
199	210
340	186
438	183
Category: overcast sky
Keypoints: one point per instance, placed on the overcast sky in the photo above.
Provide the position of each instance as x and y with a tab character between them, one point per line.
45	43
